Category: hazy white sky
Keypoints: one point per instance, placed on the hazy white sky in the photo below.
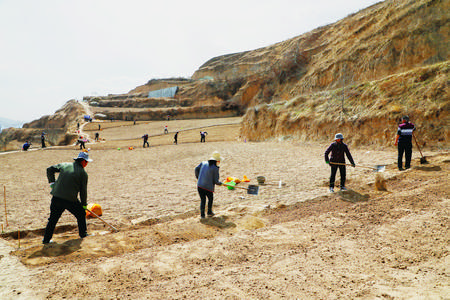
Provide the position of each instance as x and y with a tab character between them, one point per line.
52	51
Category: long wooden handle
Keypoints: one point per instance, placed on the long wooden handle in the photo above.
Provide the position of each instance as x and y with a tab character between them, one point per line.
95	215
417	144
341	164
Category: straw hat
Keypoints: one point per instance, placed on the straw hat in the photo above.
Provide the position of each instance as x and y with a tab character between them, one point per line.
216	156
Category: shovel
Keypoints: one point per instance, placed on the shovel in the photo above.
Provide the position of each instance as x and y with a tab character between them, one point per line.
423	160
95	215
378	168
252	189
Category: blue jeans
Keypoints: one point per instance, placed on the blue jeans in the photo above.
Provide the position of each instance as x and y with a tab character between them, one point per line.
57	207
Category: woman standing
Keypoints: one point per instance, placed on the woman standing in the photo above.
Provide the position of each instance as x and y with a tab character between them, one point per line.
207	173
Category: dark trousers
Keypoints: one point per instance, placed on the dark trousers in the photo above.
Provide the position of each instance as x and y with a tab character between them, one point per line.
146	143
203	194
342	171
202	139
43	143
407	149
57	207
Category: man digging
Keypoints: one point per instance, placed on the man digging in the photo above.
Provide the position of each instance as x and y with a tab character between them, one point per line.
72	180
338	151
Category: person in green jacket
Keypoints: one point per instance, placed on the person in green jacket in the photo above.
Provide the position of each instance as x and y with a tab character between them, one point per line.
72	180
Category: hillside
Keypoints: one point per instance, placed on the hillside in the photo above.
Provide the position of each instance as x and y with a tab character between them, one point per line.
368	59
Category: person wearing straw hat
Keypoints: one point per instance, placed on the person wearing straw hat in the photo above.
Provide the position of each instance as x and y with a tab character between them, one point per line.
72	180
338	151
207	173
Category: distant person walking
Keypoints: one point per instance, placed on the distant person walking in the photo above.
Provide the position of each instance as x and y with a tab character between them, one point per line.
166	130
26	146
43	139
404	142
72	180
99	127
203	136
175	138
145	138
207	174
338	151
97	136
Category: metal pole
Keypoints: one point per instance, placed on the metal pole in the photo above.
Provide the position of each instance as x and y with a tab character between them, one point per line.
6	215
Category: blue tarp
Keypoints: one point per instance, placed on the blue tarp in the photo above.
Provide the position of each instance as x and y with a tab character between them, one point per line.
168	92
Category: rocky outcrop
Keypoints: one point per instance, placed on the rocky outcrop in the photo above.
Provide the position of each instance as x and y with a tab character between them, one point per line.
59	128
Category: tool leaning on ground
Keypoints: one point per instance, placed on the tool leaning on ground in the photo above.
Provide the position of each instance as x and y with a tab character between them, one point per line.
423	160
378	168
95	215
252	189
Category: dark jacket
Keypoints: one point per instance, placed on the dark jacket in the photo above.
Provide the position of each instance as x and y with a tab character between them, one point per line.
338	152
72	180
405	131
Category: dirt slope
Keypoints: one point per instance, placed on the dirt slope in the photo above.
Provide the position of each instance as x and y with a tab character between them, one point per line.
297	241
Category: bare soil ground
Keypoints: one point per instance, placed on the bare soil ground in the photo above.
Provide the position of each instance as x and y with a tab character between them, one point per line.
296	241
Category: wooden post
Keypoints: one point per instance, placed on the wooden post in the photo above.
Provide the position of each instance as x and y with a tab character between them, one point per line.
4	195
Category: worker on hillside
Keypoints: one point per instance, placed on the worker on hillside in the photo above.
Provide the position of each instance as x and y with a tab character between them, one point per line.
145	138
72	180
97	136
207	173
338	151
81	141
404	142
26	146
203	136
43	139
175	138
166	130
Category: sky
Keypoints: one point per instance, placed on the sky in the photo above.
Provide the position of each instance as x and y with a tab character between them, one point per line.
52	51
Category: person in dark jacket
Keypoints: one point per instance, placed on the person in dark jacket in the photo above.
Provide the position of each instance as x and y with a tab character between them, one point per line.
207	173
338	151
175	138
43	139
203	136
145	138
72	180
404	142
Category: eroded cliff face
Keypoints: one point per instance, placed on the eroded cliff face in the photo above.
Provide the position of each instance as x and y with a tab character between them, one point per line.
367	113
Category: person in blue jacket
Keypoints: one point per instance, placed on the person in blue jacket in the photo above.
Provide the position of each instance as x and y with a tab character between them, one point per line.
26	146
207	173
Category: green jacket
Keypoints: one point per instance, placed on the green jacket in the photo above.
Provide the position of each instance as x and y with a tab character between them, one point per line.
72	180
